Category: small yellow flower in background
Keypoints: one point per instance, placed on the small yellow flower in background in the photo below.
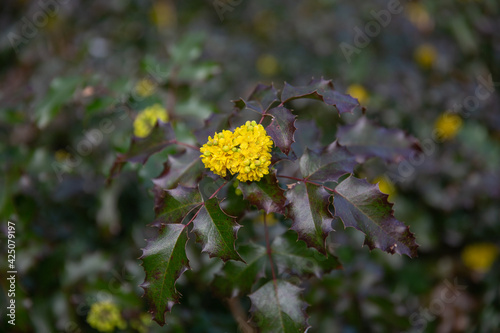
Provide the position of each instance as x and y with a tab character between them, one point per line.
145	88
267	65
425	55
447	125
147	118
386	186
479	256
270	219
419	16
359	92
105	317
246	151
62	155
163	14
142	323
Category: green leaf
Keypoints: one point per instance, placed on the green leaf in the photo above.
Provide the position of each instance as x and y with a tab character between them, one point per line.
309	212
328	166
216	231
160	137
362	206
278	308
173	205
322	90
282	128
238	277
61	91
366	140
262	99
266	194
185	168
164	260
293	256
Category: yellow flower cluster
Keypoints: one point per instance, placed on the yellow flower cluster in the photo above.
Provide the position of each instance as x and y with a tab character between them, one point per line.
359	92
146	120
426	55
447	126
145	88
105	317
246	151
480	256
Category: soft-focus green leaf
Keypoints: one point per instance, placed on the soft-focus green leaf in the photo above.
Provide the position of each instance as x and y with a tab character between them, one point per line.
282	128
216	231
238	277
309	212
164	260
361	205
292	255
266	194
185	169
328	166
173	205
262	98
278	308
365	140
322	90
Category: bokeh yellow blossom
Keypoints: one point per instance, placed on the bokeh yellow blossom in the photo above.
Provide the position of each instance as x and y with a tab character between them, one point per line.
419	16
359	92
145	88
425	56
447	126
246	151
105	317
147	118
479	256
142	323
163	14
267	65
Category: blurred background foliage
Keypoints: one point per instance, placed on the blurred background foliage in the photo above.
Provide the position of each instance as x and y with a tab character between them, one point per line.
72	84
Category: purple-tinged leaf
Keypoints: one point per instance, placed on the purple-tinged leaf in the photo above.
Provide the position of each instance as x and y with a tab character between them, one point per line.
266	194
216	231
328	166
282	128
238	277
186	168
277	308
361	205
215	123
293	256
322	90
140	149
261	99
173	205
309	212
164	260
366	140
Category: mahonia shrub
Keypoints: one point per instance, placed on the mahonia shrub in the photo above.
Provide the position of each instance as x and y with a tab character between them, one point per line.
247	167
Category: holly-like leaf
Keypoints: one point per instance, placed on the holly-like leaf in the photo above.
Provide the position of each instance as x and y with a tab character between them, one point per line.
140	149
216	231
238	277
185	168
361	205
328	166
366	140
322	90
282	128
261	99
277	308
164	260
175	204
309	212
266	194
293	256
215	123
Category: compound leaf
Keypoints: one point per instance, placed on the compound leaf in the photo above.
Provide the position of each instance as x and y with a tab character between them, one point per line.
361	205
282	128
261	99
366	140
277	308
216	231
266	194
309	212
164	260
173	205
322	90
